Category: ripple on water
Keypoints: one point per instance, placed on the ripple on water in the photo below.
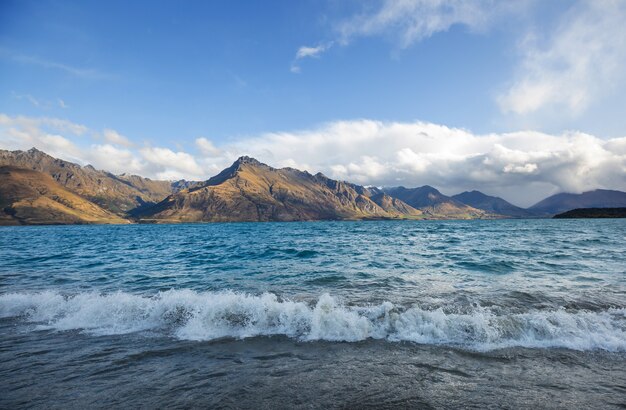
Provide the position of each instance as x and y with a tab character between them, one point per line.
326	280
346	257
496	267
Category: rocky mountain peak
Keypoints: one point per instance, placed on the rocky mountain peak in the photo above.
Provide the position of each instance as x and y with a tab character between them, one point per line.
247	160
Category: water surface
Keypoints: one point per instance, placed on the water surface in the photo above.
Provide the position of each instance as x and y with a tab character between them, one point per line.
318	314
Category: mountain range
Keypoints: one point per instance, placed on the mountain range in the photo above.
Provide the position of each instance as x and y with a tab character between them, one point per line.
36	188
430	200
116	193
30	197
251	191
600	198
493	204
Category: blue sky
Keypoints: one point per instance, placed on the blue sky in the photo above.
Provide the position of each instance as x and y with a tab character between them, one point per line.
223	68
235	74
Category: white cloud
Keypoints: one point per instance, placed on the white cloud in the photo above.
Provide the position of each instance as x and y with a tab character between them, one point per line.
206	147
563	69
63	139
582	59
114	159
570	61
52	135
115	137
413	20
308	52
409	21
167	164
522	166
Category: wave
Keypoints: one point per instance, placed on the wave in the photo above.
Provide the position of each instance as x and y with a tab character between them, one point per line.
190	315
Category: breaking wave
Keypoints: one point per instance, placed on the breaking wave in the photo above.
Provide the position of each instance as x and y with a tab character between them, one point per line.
189	315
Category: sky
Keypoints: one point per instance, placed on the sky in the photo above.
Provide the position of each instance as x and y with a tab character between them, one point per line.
520	99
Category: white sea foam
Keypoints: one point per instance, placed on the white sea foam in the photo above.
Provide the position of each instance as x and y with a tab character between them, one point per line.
190	315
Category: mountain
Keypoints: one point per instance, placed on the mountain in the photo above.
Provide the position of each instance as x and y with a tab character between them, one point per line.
492	204
154	190
391	204
38	188
118	194
182	184
431	201
600	198
593	213
251	191
32	197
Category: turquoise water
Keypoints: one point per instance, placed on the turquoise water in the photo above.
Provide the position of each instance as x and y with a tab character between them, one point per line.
405	292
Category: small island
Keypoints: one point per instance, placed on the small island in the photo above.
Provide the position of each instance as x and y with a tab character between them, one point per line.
593	213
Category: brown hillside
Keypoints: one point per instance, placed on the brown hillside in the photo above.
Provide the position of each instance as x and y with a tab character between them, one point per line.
252	191
31	197
116	194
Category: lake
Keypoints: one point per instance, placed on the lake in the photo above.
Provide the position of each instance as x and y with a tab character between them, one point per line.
431	314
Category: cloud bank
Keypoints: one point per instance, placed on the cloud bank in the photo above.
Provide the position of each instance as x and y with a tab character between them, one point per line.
522	167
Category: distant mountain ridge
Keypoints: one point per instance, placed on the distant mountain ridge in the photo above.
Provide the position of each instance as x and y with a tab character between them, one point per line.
36	188
599	198
430	200
493	204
